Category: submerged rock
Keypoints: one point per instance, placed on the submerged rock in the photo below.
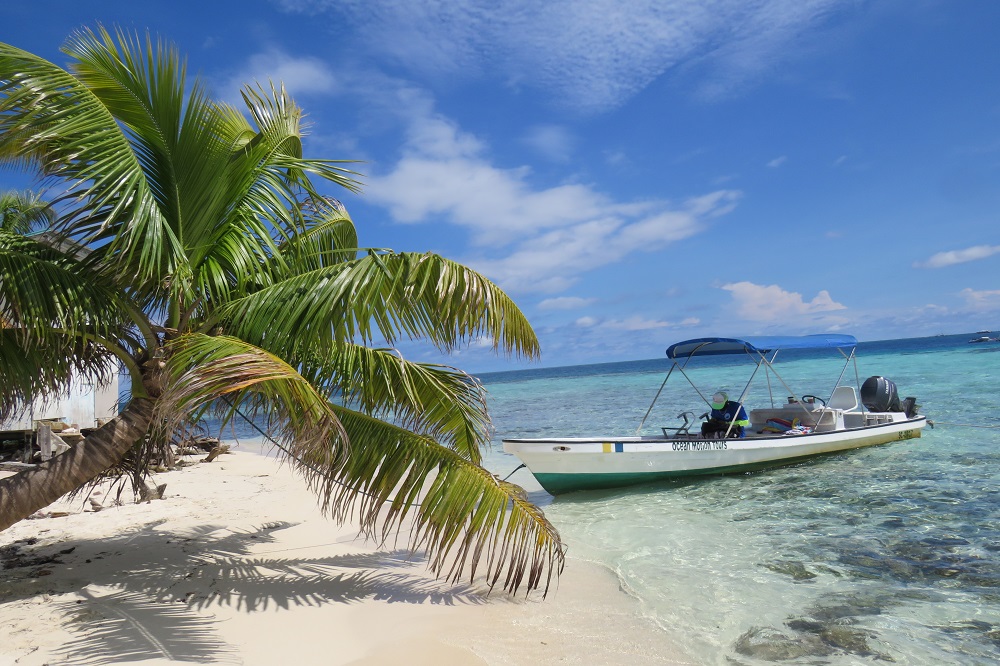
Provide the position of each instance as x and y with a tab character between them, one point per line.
848	639
771	644
792	568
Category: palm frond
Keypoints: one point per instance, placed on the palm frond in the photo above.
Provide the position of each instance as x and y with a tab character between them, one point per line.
279	140
202	370
436	400
59	319
24	212
382	295
50	118
330	238
47	294
32	370
463	516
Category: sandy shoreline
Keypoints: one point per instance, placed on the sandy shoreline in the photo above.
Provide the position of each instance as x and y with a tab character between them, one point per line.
237	565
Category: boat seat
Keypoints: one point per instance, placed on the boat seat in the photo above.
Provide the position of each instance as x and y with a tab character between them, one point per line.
845	398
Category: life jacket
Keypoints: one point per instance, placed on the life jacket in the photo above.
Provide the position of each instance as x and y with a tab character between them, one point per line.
730	409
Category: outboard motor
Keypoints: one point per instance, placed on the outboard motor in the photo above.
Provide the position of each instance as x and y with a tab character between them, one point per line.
878	394
910	406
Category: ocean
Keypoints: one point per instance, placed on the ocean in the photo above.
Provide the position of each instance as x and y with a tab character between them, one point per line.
889	554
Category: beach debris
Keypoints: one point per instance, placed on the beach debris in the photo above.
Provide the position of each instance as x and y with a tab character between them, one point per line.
12	557
197	445
216	452
147	494
95	505
14	466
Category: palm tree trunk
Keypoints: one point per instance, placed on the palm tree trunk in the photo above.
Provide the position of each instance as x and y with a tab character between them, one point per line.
26	492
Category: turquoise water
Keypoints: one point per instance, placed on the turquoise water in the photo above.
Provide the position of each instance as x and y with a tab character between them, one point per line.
887	554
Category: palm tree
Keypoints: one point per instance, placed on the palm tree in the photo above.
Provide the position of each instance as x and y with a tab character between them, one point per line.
24	212
194	248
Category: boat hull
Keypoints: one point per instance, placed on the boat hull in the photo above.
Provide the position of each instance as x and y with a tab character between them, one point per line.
564	465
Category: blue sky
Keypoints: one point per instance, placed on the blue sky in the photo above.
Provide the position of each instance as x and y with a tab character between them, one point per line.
637	173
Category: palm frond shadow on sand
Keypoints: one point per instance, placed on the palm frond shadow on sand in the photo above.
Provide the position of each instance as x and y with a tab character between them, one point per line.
156	598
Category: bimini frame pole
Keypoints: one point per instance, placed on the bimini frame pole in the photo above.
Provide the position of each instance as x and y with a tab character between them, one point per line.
847	363
746	389
655	398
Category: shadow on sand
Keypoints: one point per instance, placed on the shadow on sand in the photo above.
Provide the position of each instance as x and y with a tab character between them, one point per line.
154	596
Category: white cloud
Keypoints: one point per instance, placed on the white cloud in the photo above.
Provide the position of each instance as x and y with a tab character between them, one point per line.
952	257
551	261
302	76
526	238
981	300
591	55
552	142
635	323
564	303
756	302
777	161
444	172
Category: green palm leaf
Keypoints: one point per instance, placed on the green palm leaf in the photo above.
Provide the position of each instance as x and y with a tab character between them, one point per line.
34	369
382	295
202	369
442	402
24	212
47	295
330	238
463	516
49	118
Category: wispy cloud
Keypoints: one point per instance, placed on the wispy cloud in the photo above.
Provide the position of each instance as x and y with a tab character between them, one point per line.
777	161
769	303
952	257
589	54
302	76
526	238
552	142
564	303
636	323
981	300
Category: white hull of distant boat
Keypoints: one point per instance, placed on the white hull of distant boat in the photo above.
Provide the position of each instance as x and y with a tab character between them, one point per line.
576	463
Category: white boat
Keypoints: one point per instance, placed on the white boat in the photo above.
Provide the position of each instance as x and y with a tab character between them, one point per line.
786	431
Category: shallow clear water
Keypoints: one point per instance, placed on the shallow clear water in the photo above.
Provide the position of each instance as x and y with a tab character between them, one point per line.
890	553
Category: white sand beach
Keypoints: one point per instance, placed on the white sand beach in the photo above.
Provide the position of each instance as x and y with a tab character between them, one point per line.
236	565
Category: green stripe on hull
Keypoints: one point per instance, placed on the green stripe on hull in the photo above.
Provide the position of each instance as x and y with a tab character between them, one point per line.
558	484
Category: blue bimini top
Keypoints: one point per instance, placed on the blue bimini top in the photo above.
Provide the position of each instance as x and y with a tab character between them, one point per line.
758	344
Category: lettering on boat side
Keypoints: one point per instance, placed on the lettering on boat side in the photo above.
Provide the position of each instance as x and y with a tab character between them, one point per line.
905	434
705	445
